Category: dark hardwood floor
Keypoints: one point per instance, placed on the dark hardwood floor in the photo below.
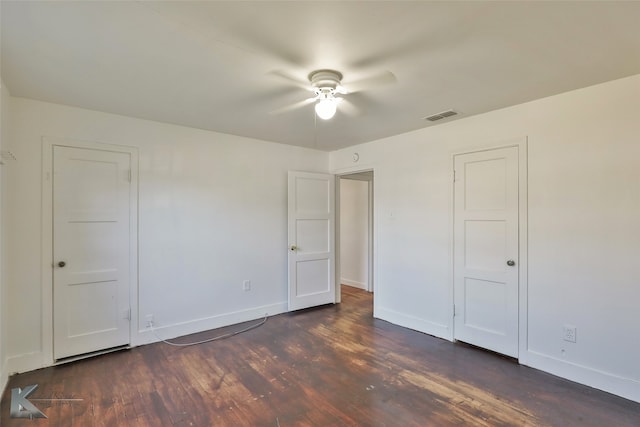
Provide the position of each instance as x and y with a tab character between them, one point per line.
329	366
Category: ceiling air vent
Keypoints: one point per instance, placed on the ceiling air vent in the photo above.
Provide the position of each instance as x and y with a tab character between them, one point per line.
440	116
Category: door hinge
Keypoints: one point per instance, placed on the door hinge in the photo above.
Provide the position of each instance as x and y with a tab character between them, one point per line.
129	179
127	314
454	175
455	313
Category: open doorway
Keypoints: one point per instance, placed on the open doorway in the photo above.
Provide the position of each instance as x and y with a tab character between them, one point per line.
355	232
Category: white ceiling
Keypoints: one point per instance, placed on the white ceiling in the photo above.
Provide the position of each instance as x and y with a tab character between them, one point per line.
218	65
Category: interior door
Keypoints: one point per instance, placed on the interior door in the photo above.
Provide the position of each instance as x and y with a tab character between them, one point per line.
91	250
486	249
311	240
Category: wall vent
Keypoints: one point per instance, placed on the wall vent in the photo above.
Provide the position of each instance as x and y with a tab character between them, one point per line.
440	116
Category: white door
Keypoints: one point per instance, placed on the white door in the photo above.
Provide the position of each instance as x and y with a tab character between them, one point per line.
486	249
90	250
311	240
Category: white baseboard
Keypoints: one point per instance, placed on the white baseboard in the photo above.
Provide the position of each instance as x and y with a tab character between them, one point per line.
421	325
624	387
605	381
31	361
145	336
354	283
24	363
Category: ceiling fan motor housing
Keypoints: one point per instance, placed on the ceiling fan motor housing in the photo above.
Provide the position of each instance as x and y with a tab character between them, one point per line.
325	79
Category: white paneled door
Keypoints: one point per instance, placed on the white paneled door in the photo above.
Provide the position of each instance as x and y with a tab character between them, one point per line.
311	240
91	202
486	249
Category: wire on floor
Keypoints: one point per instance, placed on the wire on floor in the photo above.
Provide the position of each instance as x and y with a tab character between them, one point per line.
228	335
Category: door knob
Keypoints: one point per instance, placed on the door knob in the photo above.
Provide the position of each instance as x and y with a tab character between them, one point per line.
62	264
511	263
293	247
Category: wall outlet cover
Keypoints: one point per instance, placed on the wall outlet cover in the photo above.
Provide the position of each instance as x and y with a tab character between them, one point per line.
569	333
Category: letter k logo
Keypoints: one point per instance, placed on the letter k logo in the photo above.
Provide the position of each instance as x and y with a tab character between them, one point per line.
21	407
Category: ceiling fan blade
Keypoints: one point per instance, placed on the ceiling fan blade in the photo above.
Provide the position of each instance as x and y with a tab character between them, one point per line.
434	36
302	84
293	106
257	39
372	82
391	54
349	108
358	104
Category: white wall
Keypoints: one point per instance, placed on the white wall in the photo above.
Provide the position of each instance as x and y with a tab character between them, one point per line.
354	237
583	227
200	194
4	132
212	213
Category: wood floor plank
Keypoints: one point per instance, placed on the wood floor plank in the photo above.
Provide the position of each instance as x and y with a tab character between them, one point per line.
329	366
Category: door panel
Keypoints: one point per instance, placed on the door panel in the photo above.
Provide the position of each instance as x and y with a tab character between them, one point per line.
312	277
312	236
485	238
91	237
484	184
484	245
311	240
482	297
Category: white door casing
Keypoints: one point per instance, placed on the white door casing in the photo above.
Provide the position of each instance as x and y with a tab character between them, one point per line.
311	230
91	232
486	249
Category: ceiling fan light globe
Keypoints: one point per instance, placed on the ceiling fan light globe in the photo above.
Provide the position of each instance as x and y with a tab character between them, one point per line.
326	109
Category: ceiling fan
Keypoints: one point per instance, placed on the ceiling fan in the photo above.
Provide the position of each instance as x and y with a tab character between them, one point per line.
326	85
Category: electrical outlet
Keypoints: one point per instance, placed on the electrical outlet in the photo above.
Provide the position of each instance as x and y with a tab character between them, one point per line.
569	333
149	320
246	285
